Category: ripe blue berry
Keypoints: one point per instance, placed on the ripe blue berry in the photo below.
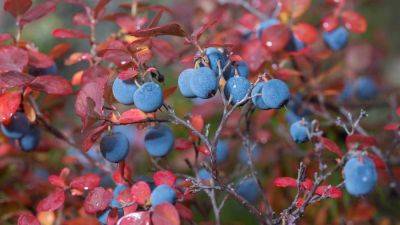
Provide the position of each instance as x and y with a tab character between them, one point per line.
159	140
123	91
299	131
265	25
128	130
114	147
204	174
30	140
203	84
249	190
244	157
18	126
294	44
214	55
256	97
117	190
222	151
360	175
242	70
52	70
103	217
336	39
184	83
275	94
162	194
236	89
365	88
148	97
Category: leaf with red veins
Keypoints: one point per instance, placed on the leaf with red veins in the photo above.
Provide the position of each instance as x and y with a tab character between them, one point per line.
354	22
39	11
52	202
69	33
285	182
97	200
329	191
17	7
57	181
141	192
39	60
15	79
132	116
9	104
128	73
91	136
165	214
86	182
12	59
53	85
164	177
118	56
276	37
136	218
305	32
173	29
125	197
183	144
255	54
27	219
331	146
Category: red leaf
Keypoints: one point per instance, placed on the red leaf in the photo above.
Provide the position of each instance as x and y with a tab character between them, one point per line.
39	60
305	32
398	111
50	84
183	144
27	219
14	79
5	37
12	59
197	122
99	7
17	7
307	184
117	56
169	91
164	177
77	57
112	217
85	182
184	212
167	29
331	192
392	126
57	181
331	146
165	214
204	150
59	50
92	136
52	202
97	200
199	31
379	163
276	37
92	91
132	116
128	73
295	7
125	197
39	11
329	23
9	104
141	191
362	140
285	182
254	53
354	22
300	202
136	218
81	19
69	33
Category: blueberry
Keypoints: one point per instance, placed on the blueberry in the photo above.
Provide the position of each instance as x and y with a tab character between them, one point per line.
162	194
204	84
244	157
336	39
299	131
360	175
18	126
265	25
242	70
275	93
204	174
159	140
222	151
184	83
30	140
214	55
149	97
52	70
128	130
123	91
236	89
347	92
249	190
365	88
294	44
117	190
256	96
114	147
104	216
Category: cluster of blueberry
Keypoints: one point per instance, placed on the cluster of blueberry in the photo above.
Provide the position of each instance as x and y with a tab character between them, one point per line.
19	127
